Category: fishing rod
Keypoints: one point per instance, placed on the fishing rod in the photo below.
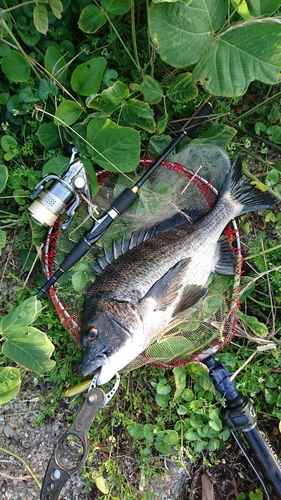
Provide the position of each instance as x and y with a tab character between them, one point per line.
64	189
240	416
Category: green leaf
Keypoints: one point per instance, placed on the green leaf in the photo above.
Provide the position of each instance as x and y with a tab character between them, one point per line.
117	149
79	280
259	8
116	93
20	317
48	135
30	348
245	53
91	19
116	7
150	88
56	7
40	19
3	239
148	432
138	113
274	133
68	112
180	381
55	64
92	175
215	424
57	165
47	87
136	430
15	66
242	8
101	483
219	135
183	88
86	78
10	382
272	177
181	33
3	176
163	388
256	326
162	124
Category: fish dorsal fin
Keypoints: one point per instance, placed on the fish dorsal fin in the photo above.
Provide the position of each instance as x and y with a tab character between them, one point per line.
226	258
164	291
136	239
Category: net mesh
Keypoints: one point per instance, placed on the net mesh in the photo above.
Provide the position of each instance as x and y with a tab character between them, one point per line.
172	188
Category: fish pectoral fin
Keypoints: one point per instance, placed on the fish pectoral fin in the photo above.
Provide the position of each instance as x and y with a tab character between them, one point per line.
190	296
227	260
164	291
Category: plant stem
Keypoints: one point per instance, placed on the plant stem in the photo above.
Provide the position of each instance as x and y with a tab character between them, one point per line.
134	38
4	11
261	105
23	463
253	256
253	178
251	134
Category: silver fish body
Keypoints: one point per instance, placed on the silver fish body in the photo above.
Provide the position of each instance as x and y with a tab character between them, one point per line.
139	293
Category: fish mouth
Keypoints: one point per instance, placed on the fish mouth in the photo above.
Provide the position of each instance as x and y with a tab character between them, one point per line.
93	365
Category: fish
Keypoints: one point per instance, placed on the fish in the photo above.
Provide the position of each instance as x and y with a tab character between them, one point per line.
146	283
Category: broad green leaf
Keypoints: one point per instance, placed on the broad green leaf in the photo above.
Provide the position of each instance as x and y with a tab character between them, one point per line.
259	8
30	348
15	66
57	165
242	8
47	87
219	135
68	112
3	239
96	102
79	280
162	124
116	7
116	93
241	55
3	177
216	424
8	143
91	19
180	33
86	78
148	432
4	97
136	430
48	135
163	447
30	37
252	322
117	149
55	64
56	7
274	133
180	380
163	388
28	94
40	18
150	88
101	483
10	382
138	113
20	317
39	233
183	88
92	175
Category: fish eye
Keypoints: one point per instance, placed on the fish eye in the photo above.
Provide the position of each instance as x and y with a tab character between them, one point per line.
92	334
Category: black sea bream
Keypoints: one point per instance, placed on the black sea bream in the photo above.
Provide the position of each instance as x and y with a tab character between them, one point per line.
140	292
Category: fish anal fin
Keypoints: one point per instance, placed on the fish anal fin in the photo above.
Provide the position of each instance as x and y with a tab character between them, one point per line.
226	258
165	290
190	296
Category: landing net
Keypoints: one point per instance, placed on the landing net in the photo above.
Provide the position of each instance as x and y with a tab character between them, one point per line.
172	188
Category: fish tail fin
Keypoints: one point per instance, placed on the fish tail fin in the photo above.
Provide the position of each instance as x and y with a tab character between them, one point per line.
249	196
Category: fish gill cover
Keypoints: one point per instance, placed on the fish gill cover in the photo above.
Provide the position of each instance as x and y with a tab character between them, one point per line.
189	187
